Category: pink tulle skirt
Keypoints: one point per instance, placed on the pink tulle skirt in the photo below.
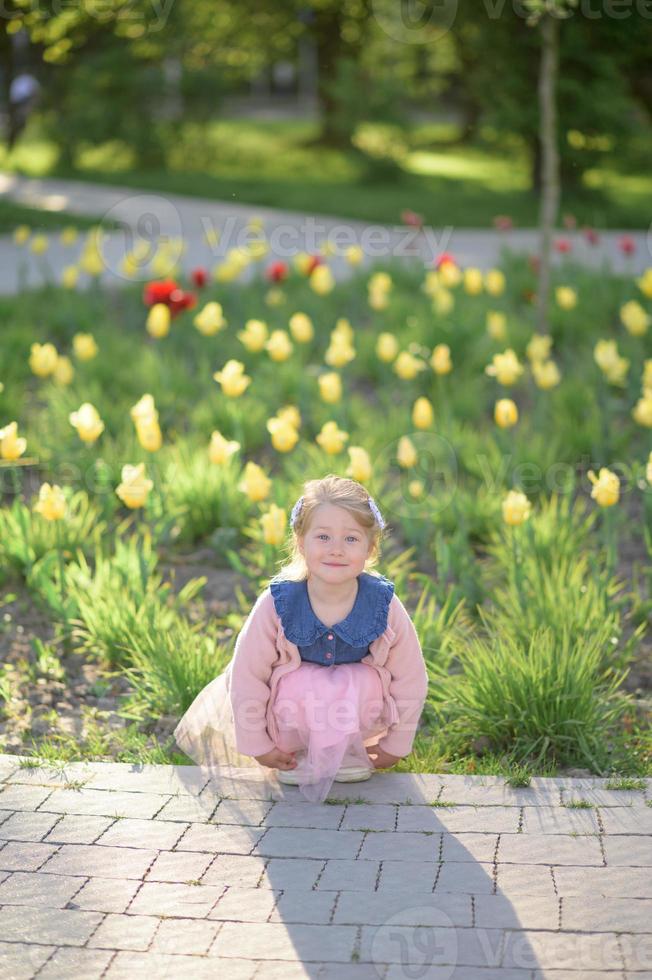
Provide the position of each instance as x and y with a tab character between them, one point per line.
324	715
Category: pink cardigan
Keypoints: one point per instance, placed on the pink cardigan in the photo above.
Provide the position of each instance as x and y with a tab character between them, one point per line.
263	654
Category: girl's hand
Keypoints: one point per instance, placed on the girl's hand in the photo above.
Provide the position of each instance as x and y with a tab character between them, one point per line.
276	759
381	759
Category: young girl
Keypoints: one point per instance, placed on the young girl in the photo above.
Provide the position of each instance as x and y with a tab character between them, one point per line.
327	679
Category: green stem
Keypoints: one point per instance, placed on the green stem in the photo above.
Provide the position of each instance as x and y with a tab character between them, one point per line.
15	472
62	585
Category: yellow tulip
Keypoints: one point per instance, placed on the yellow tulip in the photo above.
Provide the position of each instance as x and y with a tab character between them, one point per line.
331	439
386	347
642	411
648	469
88	423
130	266
516	508
450	274
378	299
254	335
91	261
254	483
473	281
606	487
354	255
149	435
634	317
339	352
645	283
220	449
21	234
646	380
330	387
505	413
279	346
274	522
380	280
301	328
423	414
496	325
291	414
258	249
342	330
69	236
69	276
321	280
443	302
39	244
64	372
84	346
360	467
566	297
505	367
158	321
494	282
274	296
416	488
43	359
612	365
303	262
144	411
284	435
135	486
327	247
12	446
212	238
232	378
546	374
51	502
407	366
406	453
210	319
538	348
441	358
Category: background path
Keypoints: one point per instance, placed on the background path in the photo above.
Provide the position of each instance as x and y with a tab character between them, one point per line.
142	216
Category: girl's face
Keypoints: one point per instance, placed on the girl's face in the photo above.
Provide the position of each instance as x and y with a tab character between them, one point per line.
335	546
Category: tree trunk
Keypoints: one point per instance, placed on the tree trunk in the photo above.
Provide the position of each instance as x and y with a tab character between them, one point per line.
327	30
549	161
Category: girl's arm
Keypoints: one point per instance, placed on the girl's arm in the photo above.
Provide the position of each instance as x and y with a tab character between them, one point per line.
253	657
409	683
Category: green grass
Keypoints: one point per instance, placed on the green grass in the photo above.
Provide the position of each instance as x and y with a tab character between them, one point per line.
276	164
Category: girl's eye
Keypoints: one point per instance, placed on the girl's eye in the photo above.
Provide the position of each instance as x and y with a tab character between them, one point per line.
350	536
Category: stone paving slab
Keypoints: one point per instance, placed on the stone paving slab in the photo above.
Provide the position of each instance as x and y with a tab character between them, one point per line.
104	876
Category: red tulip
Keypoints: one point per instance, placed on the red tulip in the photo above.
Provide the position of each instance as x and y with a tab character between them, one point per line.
563	245
444	257
412	218
199	277
158	292
591	235
278	271
627	245
503	222
181	300
315	260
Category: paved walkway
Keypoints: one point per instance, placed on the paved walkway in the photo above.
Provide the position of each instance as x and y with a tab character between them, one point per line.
144	216
110	870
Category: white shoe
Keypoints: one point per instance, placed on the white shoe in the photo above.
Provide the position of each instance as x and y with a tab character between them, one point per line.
289	776
352	774
346	774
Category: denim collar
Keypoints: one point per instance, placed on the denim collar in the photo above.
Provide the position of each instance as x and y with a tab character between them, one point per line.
366	621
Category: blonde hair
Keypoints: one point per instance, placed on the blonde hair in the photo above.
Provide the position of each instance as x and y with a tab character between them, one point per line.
345	493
